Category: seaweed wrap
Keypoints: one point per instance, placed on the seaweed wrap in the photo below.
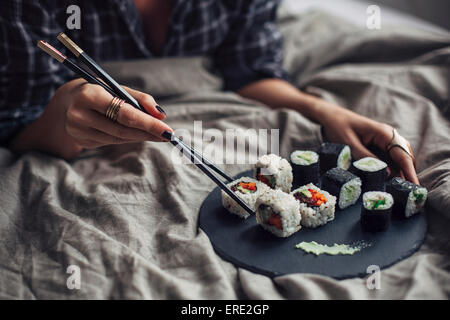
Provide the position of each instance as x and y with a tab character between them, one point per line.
373	173
409	198
278	213
305	168
275	172
376	211
333	155
316	206
248	190
342	184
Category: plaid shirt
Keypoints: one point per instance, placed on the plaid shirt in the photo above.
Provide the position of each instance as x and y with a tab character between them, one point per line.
239	35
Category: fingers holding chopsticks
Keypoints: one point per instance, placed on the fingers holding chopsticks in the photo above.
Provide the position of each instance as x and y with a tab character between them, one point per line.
95	118
148	102
130	117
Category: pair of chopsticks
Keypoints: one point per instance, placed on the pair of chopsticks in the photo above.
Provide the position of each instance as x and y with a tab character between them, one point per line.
110	85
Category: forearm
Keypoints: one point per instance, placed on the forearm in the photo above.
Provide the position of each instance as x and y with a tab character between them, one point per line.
41	135
277	93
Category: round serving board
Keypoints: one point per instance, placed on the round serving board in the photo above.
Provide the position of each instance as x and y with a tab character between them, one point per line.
247	245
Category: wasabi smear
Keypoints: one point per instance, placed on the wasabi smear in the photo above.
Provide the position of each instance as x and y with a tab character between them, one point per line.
317	249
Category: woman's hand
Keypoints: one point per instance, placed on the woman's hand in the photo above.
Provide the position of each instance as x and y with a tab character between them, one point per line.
344	126
75	119
340	124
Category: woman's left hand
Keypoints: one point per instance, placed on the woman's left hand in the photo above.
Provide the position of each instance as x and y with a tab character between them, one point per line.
344	126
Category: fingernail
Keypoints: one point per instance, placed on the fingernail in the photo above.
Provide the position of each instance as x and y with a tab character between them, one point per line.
161	110
167	135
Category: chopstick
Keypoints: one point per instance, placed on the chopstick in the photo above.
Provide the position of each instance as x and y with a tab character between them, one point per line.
83	57
122	93
54	53
196	157
116	90
187	151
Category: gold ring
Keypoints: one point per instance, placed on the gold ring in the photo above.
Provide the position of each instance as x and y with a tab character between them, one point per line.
398	141
113	110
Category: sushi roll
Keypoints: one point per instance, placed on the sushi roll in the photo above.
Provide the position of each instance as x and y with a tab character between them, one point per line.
376	211
278	213
409	198
275	172
248	190
342	184
316	206
305	167
334	155
373	173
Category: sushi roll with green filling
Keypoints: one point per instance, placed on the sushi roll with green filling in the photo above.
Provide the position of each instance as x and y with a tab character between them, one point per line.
409	198
344	185
305	166
275	172
248	190
376	211
334	155
278	213
373	173
316	206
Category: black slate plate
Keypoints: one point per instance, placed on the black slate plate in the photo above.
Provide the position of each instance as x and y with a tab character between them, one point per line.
247	245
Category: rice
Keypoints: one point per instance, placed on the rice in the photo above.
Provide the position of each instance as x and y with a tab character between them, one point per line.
409	198
304	157
286	210
413	205
274	171
370	164
371	196
249	197
315	216
376	211
342	184
344	160
350	193
332	155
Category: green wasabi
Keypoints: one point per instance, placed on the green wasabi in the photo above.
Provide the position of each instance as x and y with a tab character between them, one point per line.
317	249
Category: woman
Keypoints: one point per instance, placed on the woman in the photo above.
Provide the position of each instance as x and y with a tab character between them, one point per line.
42	108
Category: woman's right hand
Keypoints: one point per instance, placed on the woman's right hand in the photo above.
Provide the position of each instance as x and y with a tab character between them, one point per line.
75	120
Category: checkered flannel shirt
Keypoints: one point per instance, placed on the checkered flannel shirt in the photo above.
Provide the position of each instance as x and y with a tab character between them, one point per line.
239	35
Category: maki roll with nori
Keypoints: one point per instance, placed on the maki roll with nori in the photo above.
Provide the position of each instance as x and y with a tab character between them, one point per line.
373	173
275	172
278	213
316	206
409	198
305	167
342	184
333	155
248	190
376	211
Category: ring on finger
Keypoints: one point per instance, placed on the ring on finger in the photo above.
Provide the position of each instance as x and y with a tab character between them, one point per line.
114	107
399	141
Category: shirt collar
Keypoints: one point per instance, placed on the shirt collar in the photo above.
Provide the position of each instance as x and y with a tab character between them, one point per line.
132	20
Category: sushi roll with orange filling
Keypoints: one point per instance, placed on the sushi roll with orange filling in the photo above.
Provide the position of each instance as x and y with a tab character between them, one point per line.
316	206
275	172
278	213
248	190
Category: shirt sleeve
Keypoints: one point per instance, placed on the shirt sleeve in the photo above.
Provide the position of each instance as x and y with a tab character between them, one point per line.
253	49
28	77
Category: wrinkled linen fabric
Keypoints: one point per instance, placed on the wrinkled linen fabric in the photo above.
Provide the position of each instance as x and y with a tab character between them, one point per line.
127	215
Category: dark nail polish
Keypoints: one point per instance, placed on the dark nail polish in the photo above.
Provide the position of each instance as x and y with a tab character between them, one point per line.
161	110
167	135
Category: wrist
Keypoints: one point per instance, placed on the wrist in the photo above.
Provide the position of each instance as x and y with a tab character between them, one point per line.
47	136
316	109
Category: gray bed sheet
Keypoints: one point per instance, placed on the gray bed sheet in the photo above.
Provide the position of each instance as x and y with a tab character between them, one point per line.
127	216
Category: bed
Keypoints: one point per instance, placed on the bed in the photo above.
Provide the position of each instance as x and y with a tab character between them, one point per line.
126	216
